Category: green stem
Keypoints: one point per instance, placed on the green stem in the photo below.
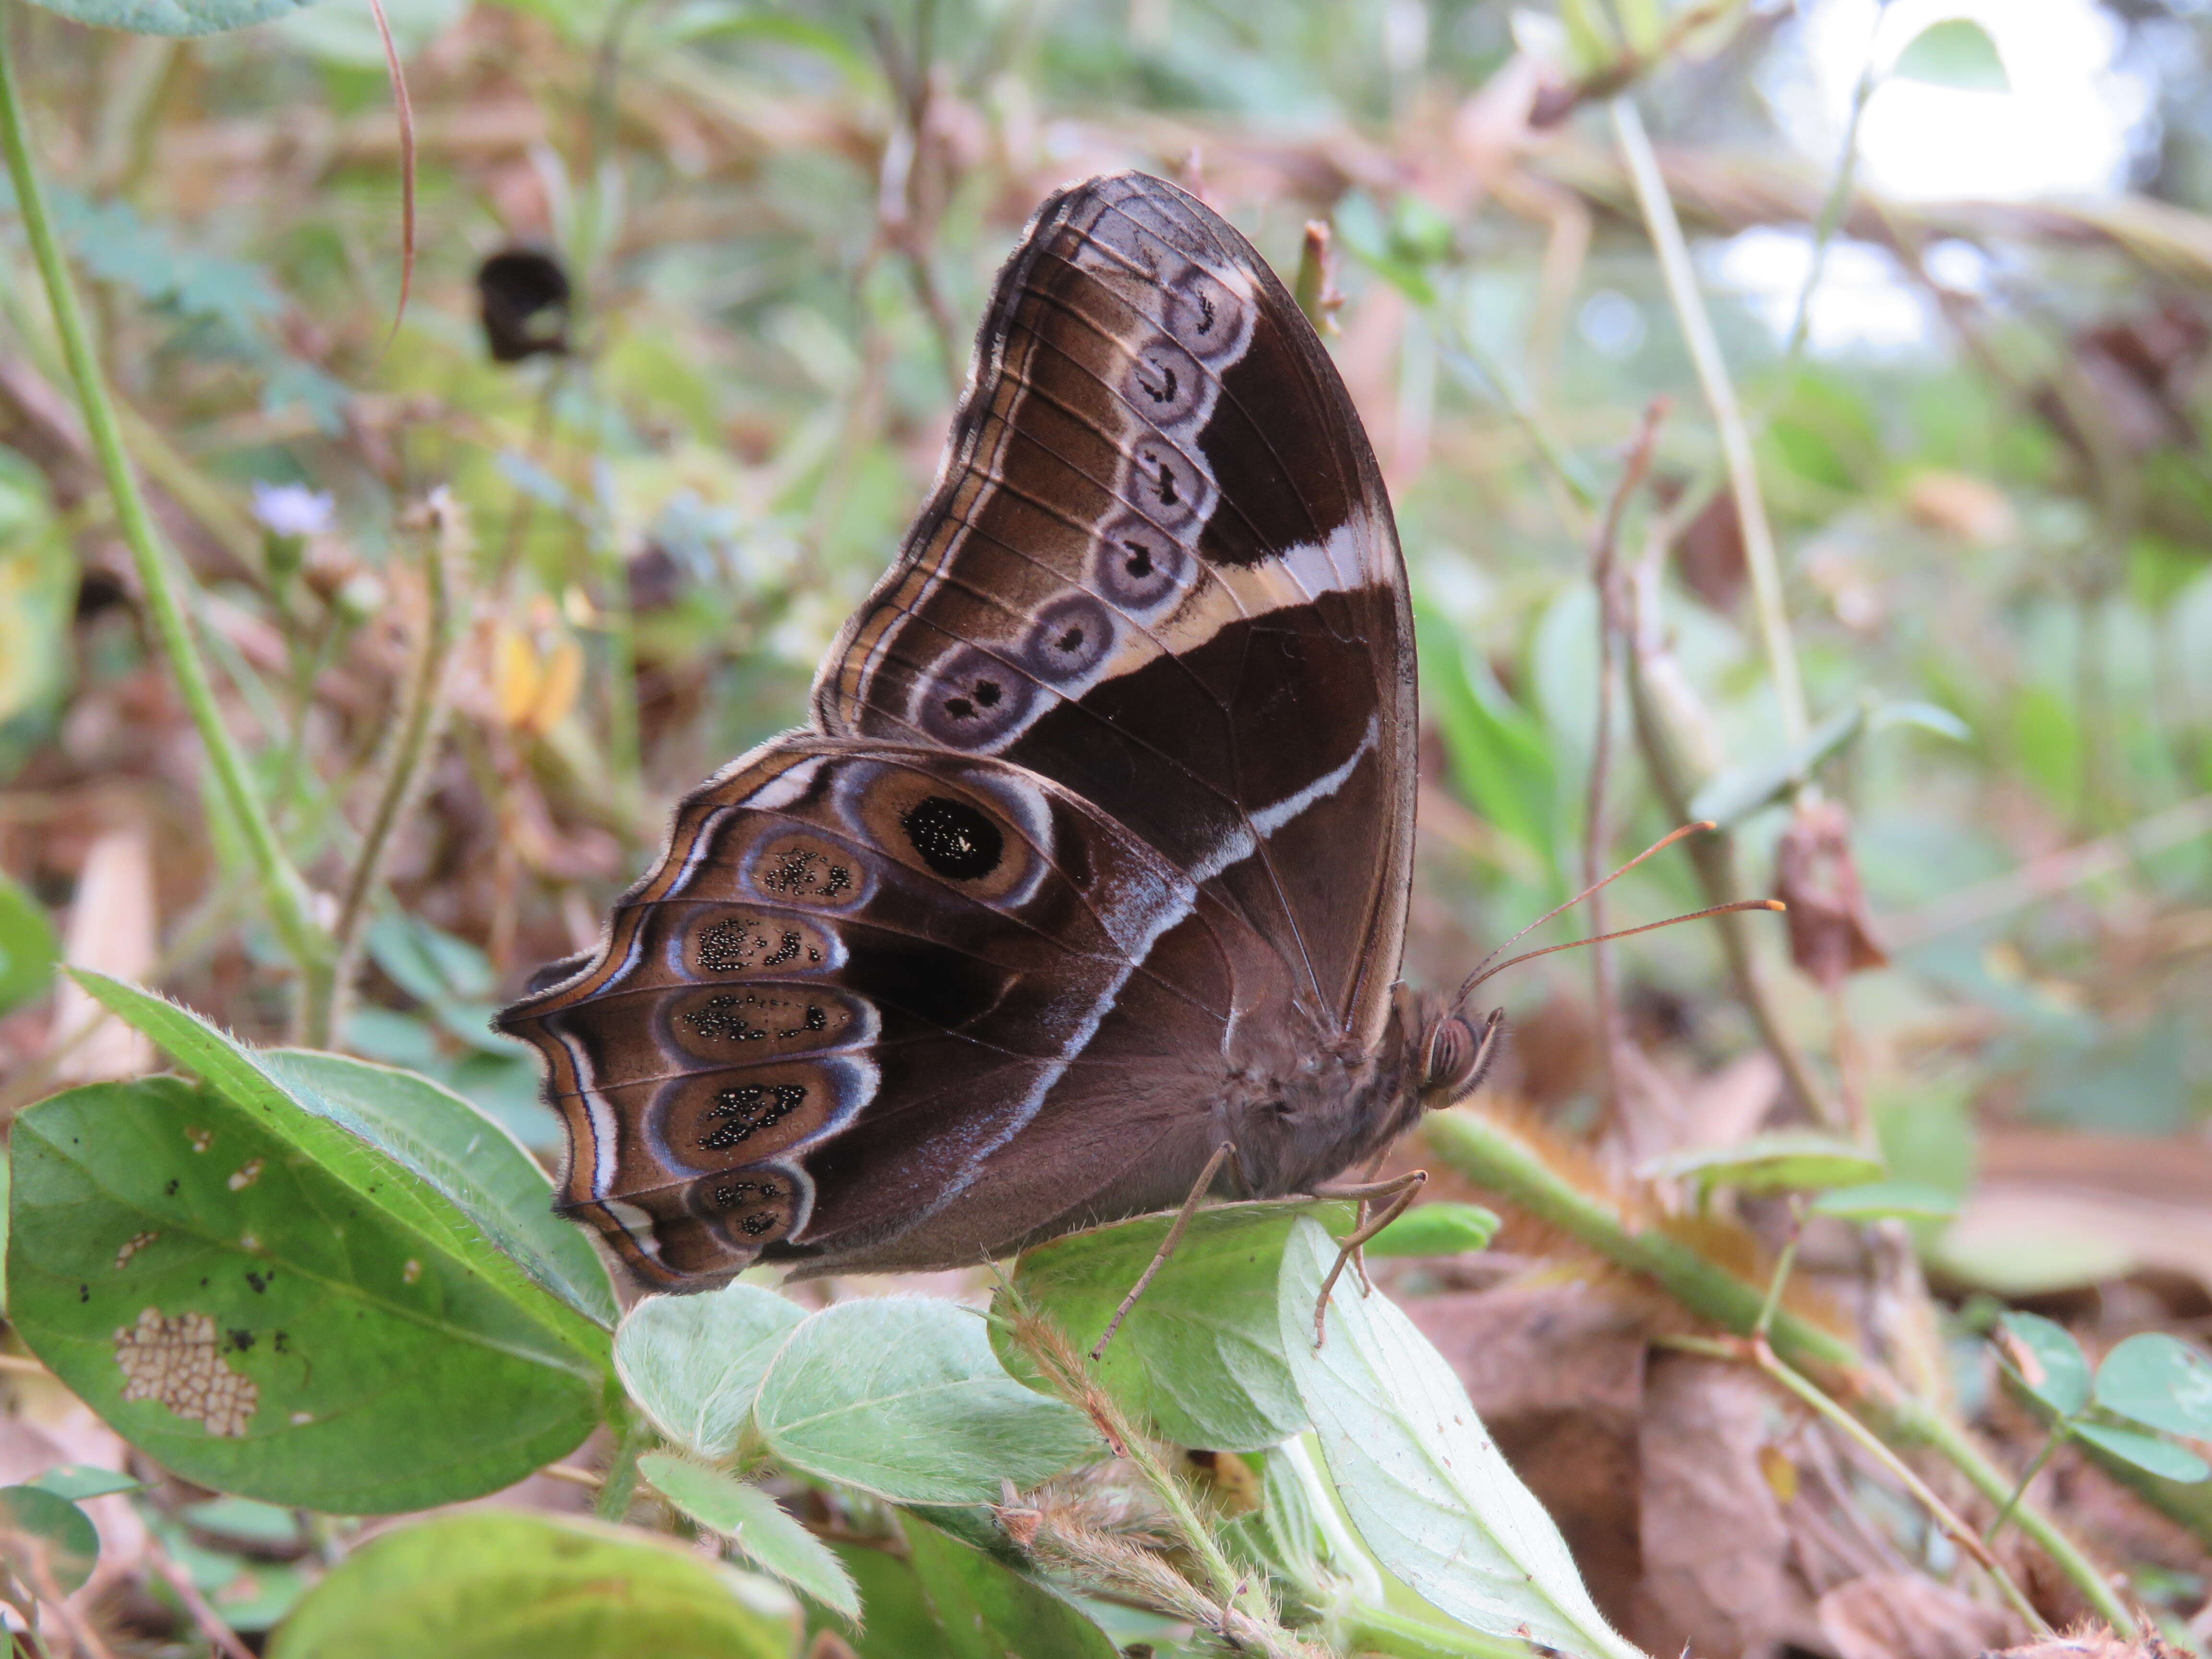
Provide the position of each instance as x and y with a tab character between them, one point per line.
1370	1629
634	1438
1495	1157
1789	1260
1674	255
283	890
2059	1431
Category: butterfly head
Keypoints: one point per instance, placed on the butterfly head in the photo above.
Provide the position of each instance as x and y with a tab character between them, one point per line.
1456	1050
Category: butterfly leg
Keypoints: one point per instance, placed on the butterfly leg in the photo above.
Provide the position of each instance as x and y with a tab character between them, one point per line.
1198	1191
1396	1193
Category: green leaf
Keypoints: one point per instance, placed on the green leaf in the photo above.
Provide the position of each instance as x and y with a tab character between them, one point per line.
901	1396
1790	1161
1501	756
28	950
1429	1492
257	1325
694	1363
172	16
1440	1229
989	1612
900	1625
80	1481
2147	1452
1883	1200
756	1525
1199	1357
1733	795
43	1533
346	1143
488	1175
501	1584
2048	1361
1957	52
2160	1380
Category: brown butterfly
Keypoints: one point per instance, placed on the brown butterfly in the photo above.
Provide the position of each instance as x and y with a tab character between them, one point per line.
1095	857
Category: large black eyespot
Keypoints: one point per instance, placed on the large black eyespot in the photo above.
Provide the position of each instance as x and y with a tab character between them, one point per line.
1070	637
953	838
1136	565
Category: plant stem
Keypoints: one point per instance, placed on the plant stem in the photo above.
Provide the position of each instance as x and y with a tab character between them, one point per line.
281	889
1370	1629
2028	1479
1500	1159
414	738
633	1437
1673	256
1782	1266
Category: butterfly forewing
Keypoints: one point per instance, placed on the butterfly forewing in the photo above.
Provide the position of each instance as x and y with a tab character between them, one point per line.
1098	852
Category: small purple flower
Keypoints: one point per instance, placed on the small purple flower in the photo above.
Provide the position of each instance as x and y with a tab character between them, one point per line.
291	509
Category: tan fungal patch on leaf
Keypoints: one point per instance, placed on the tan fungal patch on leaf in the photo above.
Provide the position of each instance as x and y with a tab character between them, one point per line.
174	1362
201	1139
246	1174
411	1272
131	1246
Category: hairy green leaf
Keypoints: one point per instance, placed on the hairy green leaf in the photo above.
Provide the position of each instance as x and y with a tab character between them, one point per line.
1429	1492
901	1396
694	1363
755	1524
1199	1357
988	1612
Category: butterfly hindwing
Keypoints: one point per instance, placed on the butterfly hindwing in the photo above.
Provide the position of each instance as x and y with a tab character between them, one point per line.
1096	852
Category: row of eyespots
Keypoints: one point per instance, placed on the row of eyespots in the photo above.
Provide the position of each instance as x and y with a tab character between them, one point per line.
1141	561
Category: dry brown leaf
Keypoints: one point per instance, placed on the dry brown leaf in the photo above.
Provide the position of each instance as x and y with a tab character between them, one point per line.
1831	931
1906	1615
1718	1571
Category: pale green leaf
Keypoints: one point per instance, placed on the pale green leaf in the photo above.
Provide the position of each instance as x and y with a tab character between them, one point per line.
2048	1361
1957	52
1428	1490
693	1363
2160	1380
757	1526
1790	1161
2147	1452
901	1396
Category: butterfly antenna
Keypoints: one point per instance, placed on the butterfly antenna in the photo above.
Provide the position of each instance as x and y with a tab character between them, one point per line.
1658	846
1626	933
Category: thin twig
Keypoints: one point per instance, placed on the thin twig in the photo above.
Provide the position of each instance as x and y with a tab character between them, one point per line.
1674	255
404	105
414	739
1612	629
220	1635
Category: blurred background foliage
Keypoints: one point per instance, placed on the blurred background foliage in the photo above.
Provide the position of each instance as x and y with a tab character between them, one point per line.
1975	408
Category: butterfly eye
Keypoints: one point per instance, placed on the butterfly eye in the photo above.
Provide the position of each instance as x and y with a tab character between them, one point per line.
1455	1055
